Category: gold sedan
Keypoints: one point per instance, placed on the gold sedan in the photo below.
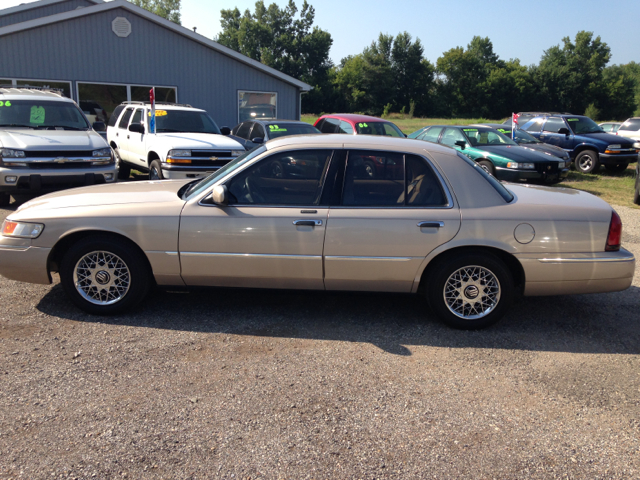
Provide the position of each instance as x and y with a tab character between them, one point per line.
325	212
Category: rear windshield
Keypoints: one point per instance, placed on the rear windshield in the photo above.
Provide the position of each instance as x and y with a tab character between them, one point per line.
495	183
378	128
42	114
284	129
632	125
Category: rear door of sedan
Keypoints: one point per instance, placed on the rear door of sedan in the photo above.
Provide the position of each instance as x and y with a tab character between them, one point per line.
385	221
271	233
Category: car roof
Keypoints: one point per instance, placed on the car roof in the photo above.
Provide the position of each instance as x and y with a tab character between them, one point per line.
360	141
276	121
32	93
353	117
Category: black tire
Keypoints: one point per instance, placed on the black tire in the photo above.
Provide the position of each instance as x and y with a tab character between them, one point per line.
636	193
587	161
488	279
370	169
124	171
617	167
5	199
487	166
112	260
155	171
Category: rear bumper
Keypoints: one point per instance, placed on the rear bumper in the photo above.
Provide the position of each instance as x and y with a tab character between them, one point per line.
511	175
564	274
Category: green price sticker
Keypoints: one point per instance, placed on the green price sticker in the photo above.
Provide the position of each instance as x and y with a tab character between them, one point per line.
572	119
37	115
363	125
5	104
470	129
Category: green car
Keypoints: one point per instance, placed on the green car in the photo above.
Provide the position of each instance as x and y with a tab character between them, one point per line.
496	153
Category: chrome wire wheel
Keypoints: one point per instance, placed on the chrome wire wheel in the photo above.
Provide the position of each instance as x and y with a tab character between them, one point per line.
472	292
101	278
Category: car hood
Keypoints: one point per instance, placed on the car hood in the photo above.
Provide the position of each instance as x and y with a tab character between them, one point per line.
515	153
51	139
151	192
195	141
546	148
606	138
560	204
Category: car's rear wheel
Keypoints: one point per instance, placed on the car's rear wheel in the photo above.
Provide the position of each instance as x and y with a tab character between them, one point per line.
104	275
470	291
487	166
155	171
617	167
5	199
124	170
587	162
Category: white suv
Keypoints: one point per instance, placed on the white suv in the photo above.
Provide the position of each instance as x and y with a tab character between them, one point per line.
187	142
630	128
46	144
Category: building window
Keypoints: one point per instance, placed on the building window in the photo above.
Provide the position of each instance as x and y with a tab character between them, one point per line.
99	100
255	105
163	94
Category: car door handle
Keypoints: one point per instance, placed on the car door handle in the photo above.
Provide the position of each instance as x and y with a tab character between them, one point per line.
308	223
431	224
127	137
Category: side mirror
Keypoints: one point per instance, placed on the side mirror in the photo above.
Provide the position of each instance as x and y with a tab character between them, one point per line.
225	131
563	131
136	128
219	195
99	127
461	143
257	140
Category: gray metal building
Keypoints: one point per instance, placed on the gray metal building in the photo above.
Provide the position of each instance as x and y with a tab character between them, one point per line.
102	53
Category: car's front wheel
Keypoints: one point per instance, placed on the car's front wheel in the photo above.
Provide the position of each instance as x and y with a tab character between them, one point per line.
104	275
487	166
470	291
5	199
587	162
155	171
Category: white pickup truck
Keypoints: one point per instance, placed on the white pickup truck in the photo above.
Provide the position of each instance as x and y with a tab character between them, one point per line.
187	142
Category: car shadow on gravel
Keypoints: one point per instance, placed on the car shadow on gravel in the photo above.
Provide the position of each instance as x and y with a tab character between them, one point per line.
603	323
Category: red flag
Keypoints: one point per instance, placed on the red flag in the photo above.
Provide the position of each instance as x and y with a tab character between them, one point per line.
515	118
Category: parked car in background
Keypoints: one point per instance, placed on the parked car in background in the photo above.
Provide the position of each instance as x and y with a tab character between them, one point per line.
93	112
352	124
47	144
610	127
255	132
445	230
586	143
630	128
524	117
187	142
496	153
526	140
258	111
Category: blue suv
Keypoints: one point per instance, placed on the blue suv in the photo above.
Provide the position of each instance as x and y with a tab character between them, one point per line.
587	144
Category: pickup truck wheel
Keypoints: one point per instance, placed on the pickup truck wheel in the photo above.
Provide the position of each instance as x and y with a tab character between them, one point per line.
155	171
5	199
103	275
617	167
587	162
124	172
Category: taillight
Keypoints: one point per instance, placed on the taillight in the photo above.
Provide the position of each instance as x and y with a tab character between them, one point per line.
615	233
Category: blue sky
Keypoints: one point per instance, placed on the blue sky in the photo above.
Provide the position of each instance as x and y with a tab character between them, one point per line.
517	29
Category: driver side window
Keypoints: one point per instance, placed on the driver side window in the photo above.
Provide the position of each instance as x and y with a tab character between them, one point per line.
288	178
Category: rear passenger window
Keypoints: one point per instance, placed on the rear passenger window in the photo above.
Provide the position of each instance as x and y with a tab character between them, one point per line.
374	179
534	125
431	135
258	131
330	125
114	116
243	131
124	122
423	188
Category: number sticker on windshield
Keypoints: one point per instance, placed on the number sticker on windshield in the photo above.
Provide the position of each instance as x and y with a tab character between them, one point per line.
5	104
572	119
37	115
363	125
159	113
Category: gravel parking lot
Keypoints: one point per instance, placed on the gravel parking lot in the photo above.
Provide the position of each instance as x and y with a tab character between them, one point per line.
257	384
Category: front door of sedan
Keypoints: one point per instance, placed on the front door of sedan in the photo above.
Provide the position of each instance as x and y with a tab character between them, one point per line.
387	223
270	234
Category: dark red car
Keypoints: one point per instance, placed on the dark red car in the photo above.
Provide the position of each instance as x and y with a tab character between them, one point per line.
353	124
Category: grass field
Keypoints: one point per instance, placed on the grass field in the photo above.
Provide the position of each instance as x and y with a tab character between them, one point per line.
614	188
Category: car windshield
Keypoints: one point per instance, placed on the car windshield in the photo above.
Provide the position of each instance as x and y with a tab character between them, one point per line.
207	182
284	129
187	121
378	128
480	137
524	137
45	114
581	125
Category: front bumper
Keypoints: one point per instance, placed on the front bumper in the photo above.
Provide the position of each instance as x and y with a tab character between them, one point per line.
21	261
614	159
512	175
184	172
51	179
564	274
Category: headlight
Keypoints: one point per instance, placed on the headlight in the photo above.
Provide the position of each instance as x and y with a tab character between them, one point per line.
10	153
636	145
561	165
21	230
103	152
235	153
179	153
521	166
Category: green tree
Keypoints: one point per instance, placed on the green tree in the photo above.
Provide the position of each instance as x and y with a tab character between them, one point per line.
169	9
278	38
